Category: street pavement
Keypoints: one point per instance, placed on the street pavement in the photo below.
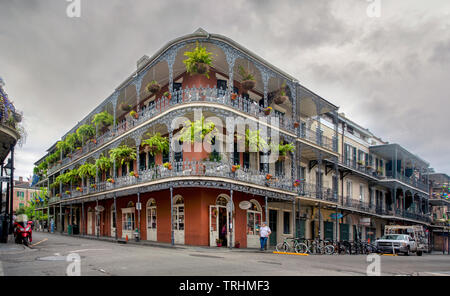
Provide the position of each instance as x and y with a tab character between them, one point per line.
48	256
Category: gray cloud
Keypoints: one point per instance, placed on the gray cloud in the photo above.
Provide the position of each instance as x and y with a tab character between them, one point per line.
388	74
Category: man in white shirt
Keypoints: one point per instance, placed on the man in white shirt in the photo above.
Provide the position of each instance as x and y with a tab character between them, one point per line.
264	233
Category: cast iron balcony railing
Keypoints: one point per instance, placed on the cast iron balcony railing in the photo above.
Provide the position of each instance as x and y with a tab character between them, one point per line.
314	191
186	169
316	137
192	95
408	180
361	167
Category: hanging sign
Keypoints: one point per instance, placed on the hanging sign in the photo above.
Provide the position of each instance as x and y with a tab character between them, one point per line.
99	208
138	206
245	205
335	216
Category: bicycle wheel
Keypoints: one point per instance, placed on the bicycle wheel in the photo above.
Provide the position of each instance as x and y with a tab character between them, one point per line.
329	249
282	247
301	248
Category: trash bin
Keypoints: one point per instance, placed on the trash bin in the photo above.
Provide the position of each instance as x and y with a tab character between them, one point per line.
69	229
76	229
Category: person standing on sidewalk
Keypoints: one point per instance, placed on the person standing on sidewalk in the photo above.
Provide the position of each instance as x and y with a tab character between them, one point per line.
264	233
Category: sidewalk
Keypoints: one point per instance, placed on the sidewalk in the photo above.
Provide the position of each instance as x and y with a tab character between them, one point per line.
162	245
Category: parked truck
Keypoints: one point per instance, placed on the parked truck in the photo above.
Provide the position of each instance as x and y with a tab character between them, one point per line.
417	234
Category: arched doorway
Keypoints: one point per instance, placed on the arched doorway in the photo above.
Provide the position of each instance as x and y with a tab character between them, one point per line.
178	220
151	220
254	216
219	222
128	218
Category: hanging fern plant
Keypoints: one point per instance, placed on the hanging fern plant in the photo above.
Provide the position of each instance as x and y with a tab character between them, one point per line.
85	132
156	144
103	163
123	154
197	131
103	119
87	170
199	61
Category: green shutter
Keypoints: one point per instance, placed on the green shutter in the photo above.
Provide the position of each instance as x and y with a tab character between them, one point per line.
344	230
328	235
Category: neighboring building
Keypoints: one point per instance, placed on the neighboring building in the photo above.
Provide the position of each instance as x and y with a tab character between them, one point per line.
342	166
23	193
440	202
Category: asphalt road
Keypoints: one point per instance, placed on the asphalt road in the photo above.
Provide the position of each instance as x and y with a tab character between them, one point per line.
48	257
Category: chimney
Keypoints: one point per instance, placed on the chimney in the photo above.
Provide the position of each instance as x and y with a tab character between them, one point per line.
20	179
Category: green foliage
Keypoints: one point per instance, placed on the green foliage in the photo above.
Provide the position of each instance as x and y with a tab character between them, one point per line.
103	163
254	141
215	156
86	131
103	119
73	141
283	149
123	154
62	145
197	131
198	55
157	143
87	170
283	89
54	157
245	74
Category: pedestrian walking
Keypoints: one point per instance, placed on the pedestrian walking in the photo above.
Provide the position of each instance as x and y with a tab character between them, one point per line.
264	233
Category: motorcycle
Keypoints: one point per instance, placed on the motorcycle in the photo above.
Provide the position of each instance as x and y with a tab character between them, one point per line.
23	230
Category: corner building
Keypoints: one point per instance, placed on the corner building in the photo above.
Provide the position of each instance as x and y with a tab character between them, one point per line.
197	199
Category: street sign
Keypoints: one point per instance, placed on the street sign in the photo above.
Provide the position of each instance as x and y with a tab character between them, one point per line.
333	216
230	206
138	206
5	179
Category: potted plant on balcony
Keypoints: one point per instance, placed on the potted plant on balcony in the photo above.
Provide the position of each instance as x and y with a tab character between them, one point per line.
67	192
167	95
281	97
219	242
297	182
234	96
133	174
235	167
360	162
199	61
267	110
110	180
197	131
168	166
94	186
79	189
125	107
153	87
254	142
156	144
102	120
268	176
296	124
123	154
283	150
134	114
103	163
248	80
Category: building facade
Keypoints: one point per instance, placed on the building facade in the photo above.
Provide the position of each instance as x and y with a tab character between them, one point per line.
336	166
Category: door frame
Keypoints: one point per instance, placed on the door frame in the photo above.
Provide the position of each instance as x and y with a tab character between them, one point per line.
155	230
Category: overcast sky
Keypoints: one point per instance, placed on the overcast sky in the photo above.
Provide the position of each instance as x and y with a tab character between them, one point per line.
390	74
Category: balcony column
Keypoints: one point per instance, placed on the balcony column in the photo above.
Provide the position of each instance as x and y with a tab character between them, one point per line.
336	179
172	238
71	219
394	198
115	214
114	98
231	59
319	116
231	219
294	226
403	201
138	85
319	171
171	152
82	219
336	132
265	77
60	217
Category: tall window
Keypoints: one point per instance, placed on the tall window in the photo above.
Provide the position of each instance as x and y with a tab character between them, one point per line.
279	168
151	214
151	160
349	188
361	192
286	222
142	166
253	218
178	214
